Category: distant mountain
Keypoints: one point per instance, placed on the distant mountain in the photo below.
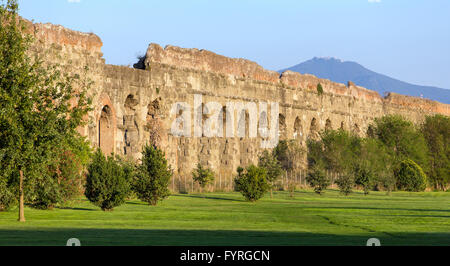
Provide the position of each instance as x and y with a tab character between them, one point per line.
340	71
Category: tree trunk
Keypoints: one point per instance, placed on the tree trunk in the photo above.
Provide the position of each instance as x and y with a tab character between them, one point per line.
21	203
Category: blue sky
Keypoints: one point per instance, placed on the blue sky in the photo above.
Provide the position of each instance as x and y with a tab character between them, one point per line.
405	39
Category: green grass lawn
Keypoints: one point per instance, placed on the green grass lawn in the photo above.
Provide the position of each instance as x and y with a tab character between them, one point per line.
226	219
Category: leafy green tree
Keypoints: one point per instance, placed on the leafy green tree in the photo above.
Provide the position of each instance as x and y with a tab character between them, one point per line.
40	109
436	130
340	150
402	140
63	180
203	176
317	179
411	177
290	155
273	168
153	176
106	182
252	182
373	167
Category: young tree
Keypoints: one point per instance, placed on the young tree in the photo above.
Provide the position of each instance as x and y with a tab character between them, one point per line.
203	176
345	183
290	155
106	182
153	176
273	168
252	182
317	179
436	130
40	108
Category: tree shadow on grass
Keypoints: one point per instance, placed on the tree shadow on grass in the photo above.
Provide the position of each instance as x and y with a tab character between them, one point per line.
379	208
205	196
154	237
75	209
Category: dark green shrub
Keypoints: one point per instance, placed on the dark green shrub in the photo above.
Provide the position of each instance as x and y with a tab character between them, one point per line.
106	182
252	182
317	179
203	176
410	177
319	89
345	183
153	176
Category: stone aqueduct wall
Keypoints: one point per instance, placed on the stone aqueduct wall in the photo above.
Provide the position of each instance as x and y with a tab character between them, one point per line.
127	100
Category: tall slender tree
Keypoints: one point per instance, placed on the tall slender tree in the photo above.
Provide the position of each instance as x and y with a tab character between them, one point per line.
40	108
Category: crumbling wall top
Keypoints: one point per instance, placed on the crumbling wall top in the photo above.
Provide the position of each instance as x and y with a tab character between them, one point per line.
208	61
56	34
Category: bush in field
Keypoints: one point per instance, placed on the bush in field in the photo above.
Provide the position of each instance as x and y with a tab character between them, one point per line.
152	176
252	182
410	177
106	182
273	168
203	176
364	178
345	183
317	179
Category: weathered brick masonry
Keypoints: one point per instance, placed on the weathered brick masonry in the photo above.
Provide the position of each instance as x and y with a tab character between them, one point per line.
128	101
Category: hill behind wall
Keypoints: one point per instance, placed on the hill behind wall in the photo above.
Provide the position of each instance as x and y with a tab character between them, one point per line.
208	61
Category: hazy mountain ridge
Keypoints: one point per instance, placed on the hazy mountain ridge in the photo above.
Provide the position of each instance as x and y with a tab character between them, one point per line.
342	71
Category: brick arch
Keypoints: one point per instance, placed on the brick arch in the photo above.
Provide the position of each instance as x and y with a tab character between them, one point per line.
107	125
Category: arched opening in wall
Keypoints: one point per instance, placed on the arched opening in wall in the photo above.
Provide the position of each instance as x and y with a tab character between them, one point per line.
106	130
243	124
298	130
282	126
314	129
223	122
131	129
328	125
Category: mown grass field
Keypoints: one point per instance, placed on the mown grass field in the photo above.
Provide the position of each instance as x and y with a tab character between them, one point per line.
226	219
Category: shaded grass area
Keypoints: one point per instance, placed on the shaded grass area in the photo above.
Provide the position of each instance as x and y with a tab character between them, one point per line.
226	219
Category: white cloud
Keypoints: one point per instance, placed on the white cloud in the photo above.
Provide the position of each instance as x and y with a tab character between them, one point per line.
74	1
374	1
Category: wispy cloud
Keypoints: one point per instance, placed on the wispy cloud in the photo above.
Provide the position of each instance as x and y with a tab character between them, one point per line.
74	1
374	1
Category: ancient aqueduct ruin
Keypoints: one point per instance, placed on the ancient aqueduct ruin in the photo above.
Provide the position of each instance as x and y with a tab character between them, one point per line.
130	103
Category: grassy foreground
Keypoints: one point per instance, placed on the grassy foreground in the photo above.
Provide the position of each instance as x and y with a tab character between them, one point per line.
226	219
